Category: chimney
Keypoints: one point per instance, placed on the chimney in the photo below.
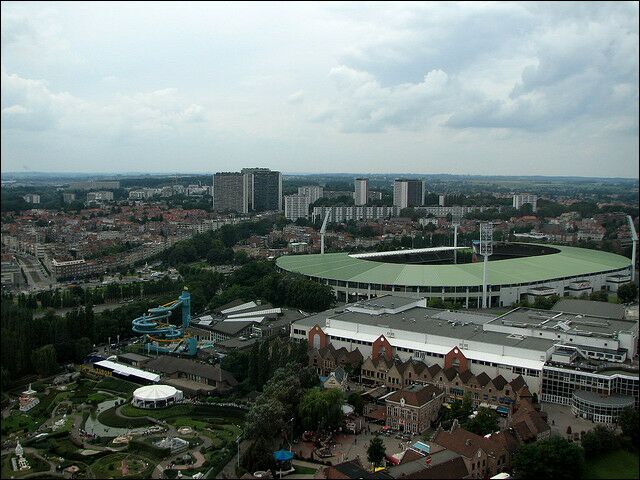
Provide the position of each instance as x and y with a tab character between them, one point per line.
467	442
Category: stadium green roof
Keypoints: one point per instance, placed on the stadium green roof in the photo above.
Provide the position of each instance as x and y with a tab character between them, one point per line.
568	262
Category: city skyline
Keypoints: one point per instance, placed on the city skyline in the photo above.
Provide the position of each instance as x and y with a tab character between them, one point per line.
428	89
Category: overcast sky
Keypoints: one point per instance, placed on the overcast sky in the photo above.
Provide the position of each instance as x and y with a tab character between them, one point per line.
469	88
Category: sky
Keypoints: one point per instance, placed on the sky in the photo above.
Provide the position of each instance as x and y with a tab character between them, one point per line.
462	88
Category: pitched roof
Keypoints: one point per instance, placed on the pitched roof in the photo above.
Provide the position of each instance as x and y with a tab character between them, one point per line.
517	383
434	369
507	439
499	382
483	379
466	376
450	373
451	469
170	365
353	470
415	395
466	443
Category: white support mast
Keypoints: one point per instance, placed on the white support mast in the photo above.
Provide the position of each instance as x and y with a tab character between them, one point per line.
634	239
455	221
323	229
486	250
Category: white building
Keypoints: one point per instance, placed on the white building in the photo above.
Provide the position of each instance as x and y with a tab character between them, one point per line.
296	206
312	191
441	199
99	196
341	214
550	349
32	198
522	199
361	194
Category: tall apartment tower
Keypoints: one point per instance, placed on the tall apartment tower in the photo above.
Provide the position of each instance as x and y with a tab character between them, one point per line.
265	189
408	193
312	192
361	194
520	200
230	192
296	206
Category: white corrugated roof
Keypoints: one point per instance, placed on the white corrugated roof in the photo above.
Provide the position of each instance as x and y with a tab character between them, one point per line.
126	370
239	308
244	319
256	312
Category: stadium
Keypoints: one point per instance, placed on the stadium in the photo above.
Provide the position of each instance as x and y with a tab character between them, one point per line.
515	272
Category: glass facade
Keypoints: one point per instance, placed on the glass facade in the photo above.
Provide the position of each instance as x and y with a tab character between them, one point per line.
601	410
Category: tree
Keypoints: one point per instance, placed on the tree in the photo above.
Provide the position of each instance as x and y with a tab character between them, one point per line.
258	457
598	441
321	409
599	296
485	422
376	451
628	422
355	399
44	360
627	292
265	418
555	458
82	348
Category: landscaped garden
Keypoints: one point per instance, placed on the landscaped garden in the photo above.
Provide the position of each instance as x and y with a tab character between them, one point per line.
123	465
36	464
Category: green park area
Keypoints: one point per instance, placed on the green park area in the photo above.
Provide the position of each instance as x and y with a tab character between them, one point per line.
35	463
619	464
123	465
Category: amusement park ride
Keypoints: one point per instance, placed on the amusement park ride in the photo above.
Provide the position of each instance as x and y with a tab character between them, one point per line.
164	337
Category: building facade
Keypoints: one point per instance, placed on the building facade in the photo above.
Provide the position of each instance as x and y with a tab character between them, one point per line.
313	192
230	192
296	206
412	409
342	214
361	194
523	199
264	188
408	193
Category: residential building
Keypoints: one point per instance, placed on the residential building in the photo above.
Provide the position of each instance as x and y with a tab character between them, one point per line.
408	193
336	379
99	196
313	192
296	206
342	214
482	456
441	200
525	198
264	188
230	192
413	408
361	194
68	197
32	198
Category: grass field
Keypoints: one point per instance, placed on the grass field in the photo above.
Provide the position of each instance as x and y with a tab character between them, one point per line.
116	385
621	464
111	466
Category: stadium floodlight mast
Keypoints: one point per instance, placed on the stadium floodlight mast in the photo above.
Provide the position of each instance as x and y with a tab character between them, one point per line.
486	250
323	230
634	240
455	221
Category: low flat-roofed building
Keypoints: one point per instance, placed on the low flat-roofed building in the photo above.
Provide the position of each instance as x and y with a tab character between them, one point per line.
126	372
133	359
181	368
591	308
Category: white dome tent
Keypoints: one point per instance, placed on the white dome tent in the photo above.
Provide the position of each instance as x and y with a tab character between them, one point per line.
156	396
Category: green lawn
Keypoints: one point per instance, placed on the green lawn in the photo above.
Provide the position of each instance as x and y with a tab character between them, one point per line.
116	385
621	464
302	470
111	466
